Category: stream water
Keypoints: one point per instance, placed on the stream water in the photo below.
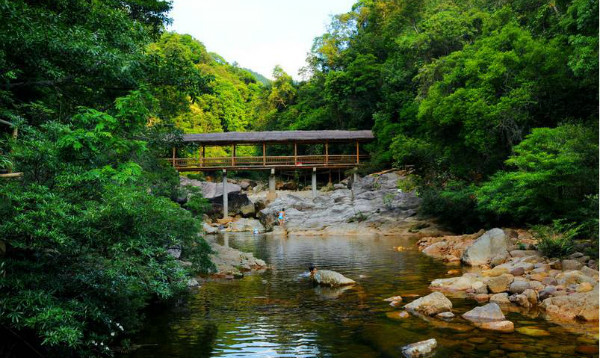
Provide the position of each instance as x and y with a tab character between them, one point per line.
278	313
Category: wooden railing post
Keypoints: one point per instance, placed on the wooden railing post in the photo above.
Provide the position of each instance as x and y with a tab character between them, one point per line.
233	157
326	152
295	153
357	153
174	153
203	155
264	145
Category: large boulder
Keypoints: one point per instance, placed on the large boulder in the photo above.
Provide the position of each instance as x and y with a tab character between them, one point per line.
430	305
577	306
488	313
490	245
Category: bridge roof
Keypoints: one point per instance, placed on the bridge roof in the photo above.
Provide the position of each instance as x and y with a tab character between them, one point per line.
279	137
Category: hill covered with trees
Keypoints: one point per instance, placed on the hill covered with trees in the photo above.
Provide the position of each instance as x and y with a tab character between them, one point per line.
494	103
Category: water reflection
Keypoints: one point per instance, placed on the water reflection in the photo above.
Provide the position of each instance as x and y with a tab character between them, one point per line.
279	313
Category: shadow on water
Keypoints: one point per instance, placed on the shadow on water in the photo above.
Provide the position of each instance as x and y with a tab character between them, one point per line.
279	313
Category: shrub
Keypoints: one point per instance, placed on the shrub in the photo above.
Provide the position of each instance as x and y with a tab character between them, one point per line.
556	240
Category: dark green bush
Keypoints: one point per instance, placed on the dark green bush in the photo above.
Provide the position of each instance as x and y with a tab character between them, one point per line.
556	240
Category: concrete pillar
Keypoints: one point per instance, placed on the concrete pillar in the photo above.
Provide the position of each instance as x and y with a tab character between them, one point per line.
272	182
225	196
314	182
355	177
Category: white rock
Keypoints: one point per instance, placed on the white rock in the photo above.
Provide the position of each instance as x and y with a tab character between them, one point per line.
491	244
430	305
419	349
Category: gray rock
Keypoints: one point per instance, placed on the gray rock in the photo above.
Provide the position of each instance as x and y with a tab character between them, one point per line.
518	286
192	282
489	245
546	292
575	255
479	287
524	253
487	313
569	265
531	295
520	299
430	305
536	285
247	210
419	349
590	272
174	251
445	315
517	271
208	229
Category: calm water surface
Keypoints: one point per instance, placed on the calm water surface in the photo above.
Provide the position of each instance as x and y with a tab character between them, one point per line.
278	313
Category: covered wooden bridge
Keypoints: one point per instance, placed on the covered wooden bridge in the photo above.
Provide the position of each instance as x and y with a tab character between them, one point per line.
325	160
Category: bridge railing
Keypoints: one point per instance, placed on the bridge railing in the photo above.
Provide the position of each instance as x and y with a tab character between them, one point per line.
268	161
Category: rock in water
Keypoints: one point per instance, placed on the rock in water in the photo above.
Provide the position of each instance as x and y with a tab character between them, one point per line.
490	245
488	313
331	278
419	349
499	326
430	305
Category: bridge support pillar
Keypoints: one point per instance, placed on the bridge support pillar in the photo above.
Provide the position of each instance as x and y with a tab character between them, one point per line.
225	196
272	194
314	182
354	176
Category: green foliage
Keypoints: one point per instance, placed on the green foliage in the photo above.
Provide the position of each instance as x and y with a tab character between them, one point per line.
86	239
556	240
555	170
454	205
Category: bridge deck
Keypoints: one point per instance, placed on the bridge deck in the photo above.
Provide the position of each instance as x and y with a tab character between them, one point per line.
298	162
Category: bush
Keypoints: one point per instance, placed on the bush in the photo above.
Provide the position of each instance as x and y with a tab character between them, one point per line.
556	240
454	206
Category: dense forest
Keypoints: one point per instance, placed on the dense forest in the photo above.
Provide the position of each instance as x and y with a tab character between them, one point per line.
493	103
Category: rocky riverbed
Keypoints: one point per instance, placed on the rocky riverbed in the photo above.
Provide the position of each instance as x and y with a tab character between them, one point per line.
503	279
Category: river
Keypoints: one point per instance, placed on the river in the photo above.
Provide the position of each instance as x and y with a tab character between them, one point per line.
278	313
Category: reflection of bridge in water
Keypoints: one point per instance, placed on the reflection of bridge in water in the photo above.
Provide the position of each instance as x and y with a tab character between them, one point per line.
324	162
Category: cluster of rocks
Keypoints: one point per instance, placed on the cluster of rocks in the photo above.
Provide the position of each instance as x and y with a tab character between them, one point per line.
373	205
505	279
565	289
232	263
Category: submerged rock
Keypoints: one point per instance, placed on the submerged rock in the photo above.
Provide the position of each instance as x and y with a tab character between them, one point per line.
533	331
419	349
499	326
430	305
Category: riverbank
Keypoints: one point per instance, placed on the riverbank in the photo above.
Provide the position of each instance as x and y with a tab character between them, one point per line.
498	271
